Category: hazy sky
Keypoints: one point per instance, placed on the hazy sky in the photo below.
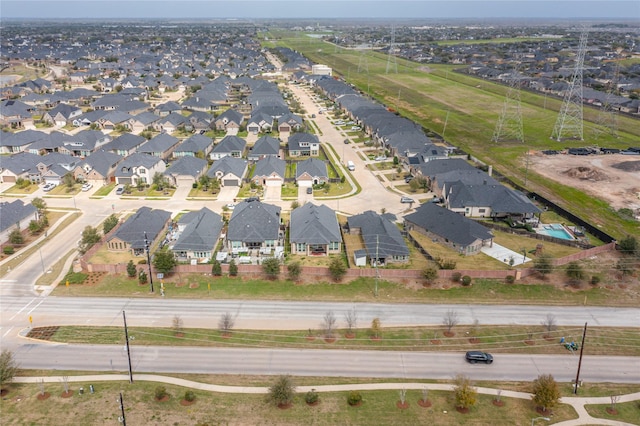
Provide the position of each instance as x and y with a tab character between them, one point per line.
628	9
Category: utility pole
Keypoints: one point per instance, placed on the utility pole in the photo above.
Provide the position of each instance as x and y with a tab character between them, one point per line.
444	128
377	244
146	246
526	170
126	345
122	418
584	334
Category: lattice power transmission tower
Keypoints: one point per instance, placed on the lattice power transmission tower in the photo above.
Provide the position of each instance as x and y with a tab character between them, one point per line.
391	58
509	125
363	63
569	124
607	121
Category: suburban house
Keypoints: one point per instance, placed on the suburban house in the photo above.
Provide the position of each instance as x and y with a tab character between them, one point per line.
254	225
15	215
228	170
11	143
83	143
259	122
303	145
230	119
167	108
464	235
125	144
314	231
139	231
61	115
185	171
196	145
198	233
138	168
269	171
113	119
170	123
290	123
161	146
98	168
311	171
495	201
230	145
265	146
143	121
382	238
54	166
199	122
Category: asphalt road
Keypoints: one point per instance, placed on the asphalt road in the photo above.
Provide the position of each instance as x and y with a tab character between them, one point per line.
289	315
330	363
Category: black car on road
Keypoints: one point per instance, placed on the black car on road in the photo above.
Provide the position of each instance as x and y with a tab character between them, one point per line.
477	356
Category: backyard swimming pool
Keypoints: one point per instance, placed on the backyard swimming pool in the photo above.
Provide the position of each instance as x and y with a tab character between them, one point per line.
556	230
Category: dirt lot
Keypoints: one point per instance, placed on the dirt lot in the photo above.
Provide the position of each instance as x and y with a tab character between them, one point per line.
614	178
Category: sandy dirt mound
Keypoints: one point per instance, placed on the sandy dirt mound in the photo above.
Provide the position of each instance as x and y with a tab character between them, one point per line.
586	173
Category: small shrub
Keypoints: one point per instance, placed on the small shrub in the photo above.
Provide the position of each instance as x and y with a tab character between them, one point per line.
466	280
354	398
160	392
595	280
8	250
189	396
142	262
311	397
456	276
510	279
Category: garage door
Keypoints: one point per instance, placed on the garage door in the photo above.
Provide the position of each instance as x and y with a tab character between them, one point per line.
9	179
273	182
230	182
184	181
304	183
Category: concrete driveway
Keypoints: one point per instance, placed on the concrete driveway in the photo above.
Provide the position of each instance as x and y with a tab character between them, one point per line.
228	193
272	193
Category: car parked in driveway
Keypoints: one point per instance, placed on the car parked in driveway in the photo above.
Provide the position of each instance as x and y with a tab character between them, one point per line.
120	190
474	357
87	186
48	187
309	190
407	200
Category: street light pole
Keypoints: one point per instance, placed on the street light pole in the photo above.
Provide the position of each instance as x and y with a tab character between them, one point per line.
146	246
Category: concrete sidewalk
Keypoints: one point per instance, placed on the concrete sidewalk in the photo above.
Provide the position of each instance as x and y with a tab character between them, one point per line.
578	403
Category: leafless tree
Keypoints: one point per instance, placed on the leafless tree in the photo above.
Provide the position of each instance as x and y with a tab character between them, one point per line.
351	318
226	322
177	324
450	320
65	383
329	323
425	394
614	401
403	395
549	323
41	386
498	395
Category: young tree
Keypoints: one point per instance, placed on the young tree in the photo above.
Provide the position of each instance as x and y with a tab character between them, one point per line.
131	269
216	268
160	181
142	277
40	205
549	323
328	324
8	367
450	320
15	237
68	180
295	204
629	245
430	274
281	392
271	267
90	236
337	268
351	318
109	223
465	394
233	268
226	323
543	265
375	328
574	271
177	324
546	393
294	269
204	182
164	260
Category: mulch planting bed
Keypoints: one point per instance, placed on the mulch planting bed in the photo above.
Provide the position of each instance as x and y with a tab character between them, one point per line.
42	333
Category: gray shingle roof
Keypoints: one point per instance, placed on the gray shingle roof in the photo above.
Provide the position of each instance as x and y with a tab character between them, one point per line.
380	235
268	165
313	166
447	224
229	144
201	232
254	221
160	143
12	212
144	220
235	166
266	145
313	224
187	166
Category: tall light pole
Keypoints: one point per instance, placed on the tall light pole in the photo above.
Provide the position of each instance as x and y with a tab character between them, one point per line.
146	246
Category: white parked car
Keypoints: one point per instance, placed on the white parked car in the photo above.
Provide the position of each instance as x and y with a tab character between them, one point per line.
48	187
381	158
87	186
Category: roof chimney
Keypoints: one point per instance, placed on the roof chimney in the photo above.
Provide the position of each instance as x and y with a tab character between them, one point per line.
490	171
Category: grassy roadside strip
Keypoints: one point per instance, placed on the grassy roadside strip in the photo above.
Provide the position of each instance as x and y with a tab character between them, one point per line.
496	339
360	290
142	408
628	412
